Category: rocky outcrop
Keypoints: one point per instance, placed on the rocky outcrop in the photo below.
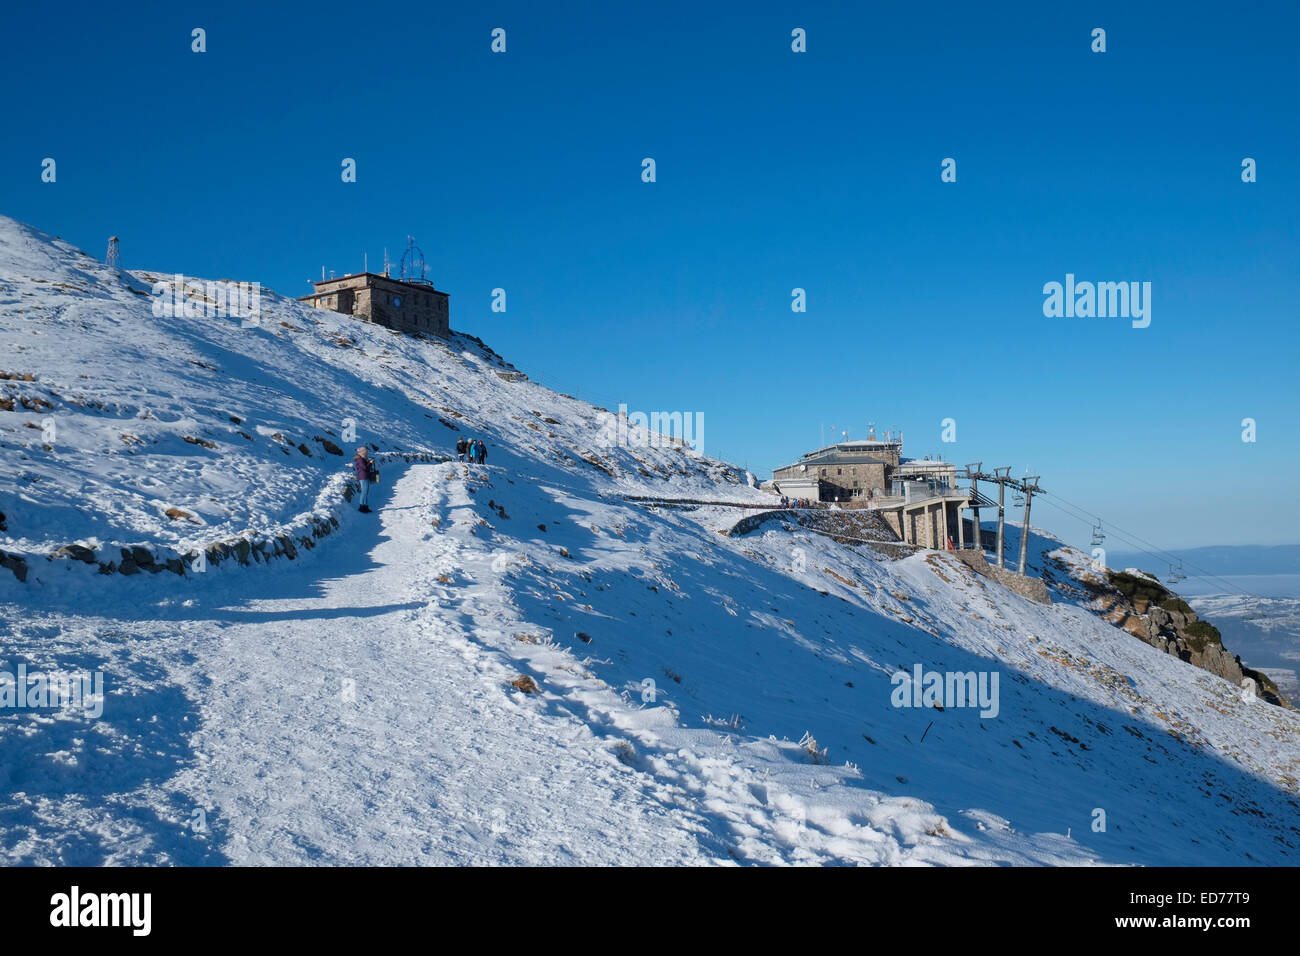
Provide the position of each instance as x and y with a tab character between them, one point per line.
1148	610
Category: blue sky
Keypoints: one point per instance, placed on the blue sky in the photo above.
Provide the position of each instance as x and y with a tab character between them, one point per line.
775	170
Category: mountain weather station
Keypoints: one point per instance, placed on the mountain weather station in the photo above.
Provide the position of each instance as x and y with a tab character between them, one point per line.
405	304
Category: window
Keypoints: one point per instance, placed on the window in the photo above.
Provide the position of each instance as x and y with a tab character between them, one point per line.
397	301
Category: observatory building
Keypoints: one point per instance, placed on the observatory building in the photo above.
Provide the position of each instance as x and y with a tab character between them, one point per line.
396	303
407	304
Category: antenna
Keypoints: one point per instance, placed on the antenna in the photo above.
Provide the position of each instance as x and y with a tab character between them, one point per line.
112	257
365	262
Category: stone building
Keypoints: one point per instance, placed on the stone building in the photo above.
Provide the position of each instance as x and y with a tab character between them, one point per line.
843	471
918	498
395	303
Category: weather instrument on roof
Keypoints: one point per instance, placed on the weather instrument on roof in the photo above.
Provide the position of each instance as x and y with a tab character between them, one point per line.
413	265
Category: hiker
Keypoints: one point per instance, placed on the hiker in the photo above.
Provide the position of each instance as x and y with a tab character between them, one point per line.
462	447
363	466
482	453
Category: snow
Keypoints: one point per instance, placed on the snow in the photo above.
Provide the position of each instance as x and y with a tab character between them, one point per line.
701	698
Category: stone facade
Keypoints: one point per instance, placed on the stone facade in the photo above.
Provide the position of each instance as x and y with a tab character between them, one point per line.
842	476
404	306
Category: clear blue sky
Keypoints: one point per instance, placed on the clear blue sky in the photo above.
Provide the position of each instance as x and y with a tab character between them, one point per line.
775	170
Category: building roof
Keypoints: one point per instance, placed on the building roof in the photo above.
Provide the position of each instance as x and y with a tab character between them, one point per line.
838	458
912	465
860	444
420	286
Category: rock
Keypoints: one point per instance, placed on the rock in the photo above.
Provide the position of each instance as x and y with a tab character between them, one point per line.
15	563
76	552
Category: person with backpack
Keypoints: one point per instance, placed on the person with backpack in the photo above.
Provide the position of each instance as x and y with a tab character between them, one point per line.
363	466
462	447
482	453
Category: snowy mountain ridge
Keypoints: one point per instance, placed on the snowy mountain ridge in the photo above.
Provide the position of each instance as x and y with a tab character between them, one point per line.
514	663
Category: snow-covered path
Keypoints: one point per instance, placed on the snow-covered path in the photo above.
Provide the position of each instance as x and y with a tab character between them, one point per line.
355	707
359	723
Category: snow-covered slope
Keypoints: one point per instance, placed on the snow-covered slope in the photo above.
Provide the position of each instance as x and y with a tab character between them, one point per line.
700	697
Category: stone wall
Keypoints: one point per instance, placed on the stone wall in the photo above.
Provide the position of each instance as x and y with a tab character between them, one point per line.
838	480
247	548
405	307
1027	587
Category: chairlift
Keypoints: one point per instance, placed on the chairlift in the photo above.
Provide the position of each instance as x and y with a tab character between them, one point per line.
1018	500
1098	536
1176	573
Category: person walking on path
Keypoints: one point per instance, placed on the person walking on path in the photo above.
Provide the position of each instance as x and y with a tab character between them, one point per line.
363	466
462	447
482	453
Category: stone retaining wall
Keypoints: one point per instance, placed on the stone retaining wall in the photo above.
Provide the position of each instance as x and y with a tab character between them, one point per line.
247	547
1032	588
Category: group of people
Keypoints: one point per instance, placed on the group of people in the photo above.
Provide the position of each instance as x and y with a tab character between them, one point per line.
367	472
473	451
795	502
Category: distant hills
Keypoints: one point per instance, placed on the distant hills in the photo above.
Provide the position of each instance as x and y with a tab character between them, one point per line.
1218	559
